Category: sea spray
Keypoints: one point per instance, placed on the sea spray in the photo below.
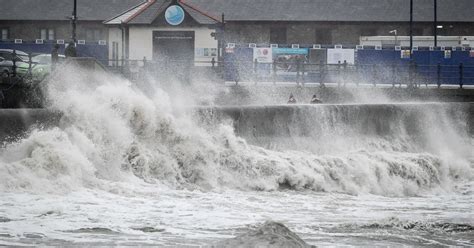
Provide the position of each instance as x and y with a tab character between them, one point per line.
112	132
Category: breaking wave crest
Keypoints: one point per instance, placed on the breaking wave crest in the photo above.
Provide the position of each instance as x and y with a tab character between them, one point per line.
113	132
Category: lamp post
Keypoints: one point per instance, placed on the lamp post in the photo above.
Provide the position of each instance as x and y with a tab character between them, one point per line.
435	23
394	32
74	21
411	25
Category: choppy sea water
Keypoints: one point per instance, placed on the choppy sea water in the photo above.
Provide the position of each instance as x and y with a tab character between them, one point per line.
128	168
148	216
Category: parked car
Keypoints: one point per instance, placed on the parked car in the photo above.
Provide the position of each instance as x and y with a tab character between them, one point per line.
6	62
40	67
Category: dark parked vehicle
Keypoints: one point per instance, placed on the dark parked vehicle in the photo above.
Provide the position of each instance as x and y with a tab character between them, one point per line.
7	58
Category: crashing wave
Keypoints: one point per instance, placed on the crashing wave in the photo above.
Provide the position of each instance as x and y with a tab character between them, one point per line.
113	132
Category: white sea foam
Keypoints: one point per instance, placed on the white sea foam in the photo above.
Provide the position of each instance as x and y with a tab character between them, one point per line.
127	166
111	131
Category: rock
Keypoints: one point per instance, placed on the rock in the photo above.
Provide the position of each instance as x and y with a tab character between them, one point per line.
269	234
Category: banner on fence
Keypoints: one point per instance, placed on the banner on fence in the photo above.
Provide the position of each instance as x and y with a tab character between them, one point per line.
447	54
263	55
339	56
286	59
405	54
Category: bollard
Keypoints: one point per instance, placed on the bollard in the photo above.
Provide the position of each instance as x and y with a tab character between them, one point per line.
213	62
438	75
144	61
461	74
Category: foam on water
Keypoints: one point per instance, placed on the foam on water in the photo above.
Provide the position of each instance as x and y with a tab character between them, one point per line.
114	139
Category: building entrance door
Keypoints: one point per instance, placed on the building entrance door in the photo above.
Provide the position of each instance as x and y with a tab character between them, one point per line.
174	52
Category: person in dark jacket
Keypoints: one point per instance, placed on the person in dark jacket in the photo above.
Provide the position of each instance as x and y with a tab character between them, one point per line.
54	56
70	50
315	100
292	99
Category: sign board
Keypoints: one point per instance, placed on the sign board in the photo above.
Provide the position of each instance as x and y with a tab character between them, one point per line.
263	55
405	54
338	56
174	15
447	54
286	59
289	51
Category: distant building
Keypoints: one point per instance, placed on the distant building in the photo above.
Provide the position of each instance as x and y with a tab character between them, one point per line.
50	19
138	29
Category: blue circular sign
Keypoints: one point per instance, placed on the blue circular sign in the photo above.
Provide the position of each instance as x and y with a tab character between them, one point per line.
174	15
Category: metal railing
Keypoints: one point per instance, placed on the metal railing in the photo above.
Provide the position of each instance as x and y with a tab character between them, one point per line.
298	72
410	74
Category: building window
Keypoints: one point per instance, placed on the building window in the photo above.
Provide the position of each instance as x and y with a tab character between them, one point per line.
93	34
417	31
323	36
278	35
368	32
5	34
47	34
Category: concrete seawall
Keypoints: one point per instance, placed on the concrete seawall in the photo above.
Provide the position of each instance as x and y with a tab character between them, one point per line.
268	94
278	120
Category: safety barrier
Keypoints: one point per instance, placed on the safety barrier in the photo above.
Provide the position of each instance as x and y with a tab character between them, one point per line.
333	64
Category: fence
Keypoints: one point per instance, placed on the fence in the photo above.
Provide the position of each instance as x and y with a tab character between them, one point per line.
374	66
349	65
341	74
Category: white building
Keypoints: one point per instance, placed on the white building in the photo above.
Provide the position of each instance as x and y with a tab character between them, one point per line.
163	30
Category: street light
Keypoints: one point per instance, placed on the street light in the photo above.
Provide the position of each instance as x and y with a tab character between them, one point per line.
74	21
394	32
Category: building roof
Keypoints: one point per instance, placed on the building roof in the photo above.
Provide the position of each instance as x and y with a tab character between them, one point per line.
338	10
151	11
147	12
209	11
126	15
54	10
